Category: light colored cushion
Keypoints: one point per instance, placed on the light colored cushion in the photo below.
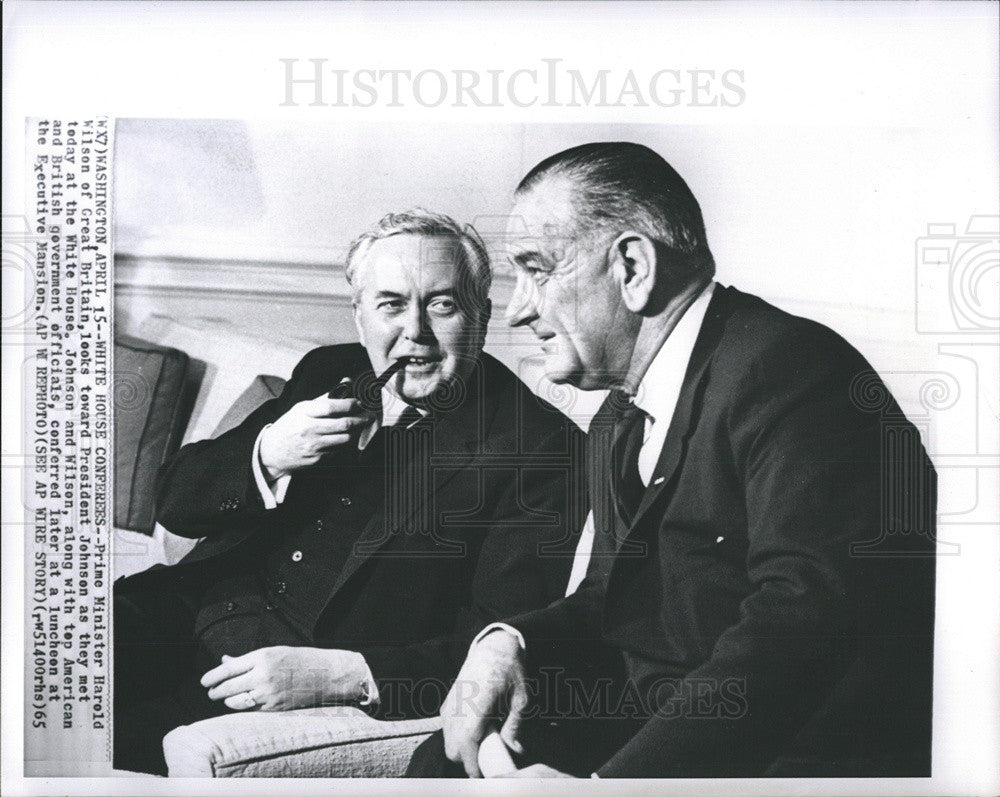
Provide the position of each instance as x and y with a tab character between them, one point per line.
263	388
335	741
232	359
133	552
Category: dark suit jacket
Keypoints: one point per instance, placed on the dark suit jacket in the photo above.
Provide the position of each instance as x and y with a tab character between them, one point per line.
465	544
775	593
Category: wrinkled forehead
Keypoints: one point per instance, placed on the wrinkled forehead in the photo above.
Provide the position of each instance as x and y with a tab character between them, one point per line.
543	217
410	261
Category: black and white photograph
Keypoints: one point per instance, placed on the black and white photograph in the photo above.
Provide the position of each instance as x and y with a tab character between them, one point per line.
504	391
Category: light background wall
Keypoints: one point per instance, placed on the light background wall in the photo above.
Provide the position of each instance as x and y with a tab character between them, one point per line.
230	235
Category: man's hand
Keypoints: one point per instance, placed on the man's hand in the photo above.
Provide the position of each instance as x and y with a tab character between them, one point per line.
281	678
310	429
491	678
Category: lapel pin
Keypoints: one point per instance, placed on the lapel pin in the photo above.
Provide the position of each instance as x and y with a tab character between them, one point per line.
659	480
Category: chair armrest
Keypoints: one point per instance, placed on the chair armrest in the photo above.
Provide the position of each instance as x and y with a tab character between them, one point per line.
331	742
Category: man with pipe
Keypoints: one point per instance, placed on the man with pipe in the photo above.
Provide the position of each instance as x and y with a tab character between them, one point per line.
361	527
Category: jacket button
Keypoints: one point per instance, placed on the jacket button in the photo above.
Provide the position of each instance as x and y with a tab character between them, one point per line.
230	606
280	587
297	556
345	501
319	525
269	607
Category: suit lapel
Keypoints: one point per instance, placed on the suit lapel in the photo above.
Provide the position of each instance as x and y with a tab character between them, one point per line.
436	450
688	402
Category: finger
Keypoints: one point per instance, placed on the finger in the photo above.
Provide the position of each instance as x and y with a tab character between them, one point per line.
233	686
229	668
331	441
342	390
340	424
469	755
243	702
324	407
512	724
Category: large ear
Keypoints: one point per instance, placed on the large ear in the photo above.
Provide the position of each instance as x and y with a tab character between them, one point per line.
483	314
633	262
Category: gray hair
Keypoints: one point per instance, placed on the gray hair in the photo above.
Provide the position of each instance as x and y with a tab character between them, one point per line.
617	185
476	273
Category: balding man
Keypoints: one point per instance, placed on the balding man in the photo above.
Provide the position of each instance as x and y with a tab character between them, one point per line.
760	592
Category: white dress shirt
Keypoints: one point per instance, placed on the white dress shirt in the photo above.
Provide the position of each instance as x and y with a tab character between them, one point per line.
656	396
659	390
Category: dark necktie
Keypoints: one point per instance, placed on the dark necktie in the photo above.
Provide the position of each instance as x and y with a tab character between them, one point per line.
629	430
409	416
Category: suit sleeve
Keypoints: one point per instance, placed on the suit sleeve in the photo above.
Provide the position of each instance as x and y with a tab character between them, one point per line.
567	632
208	487
809	461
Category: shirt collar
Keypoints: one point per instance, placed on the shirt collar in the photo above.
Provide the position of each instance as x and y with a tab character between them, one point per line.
666	371
393	407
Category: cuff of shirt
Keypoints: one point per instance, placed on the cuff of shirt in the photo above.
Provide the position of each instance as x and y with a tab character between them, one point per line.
499	627
270	494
